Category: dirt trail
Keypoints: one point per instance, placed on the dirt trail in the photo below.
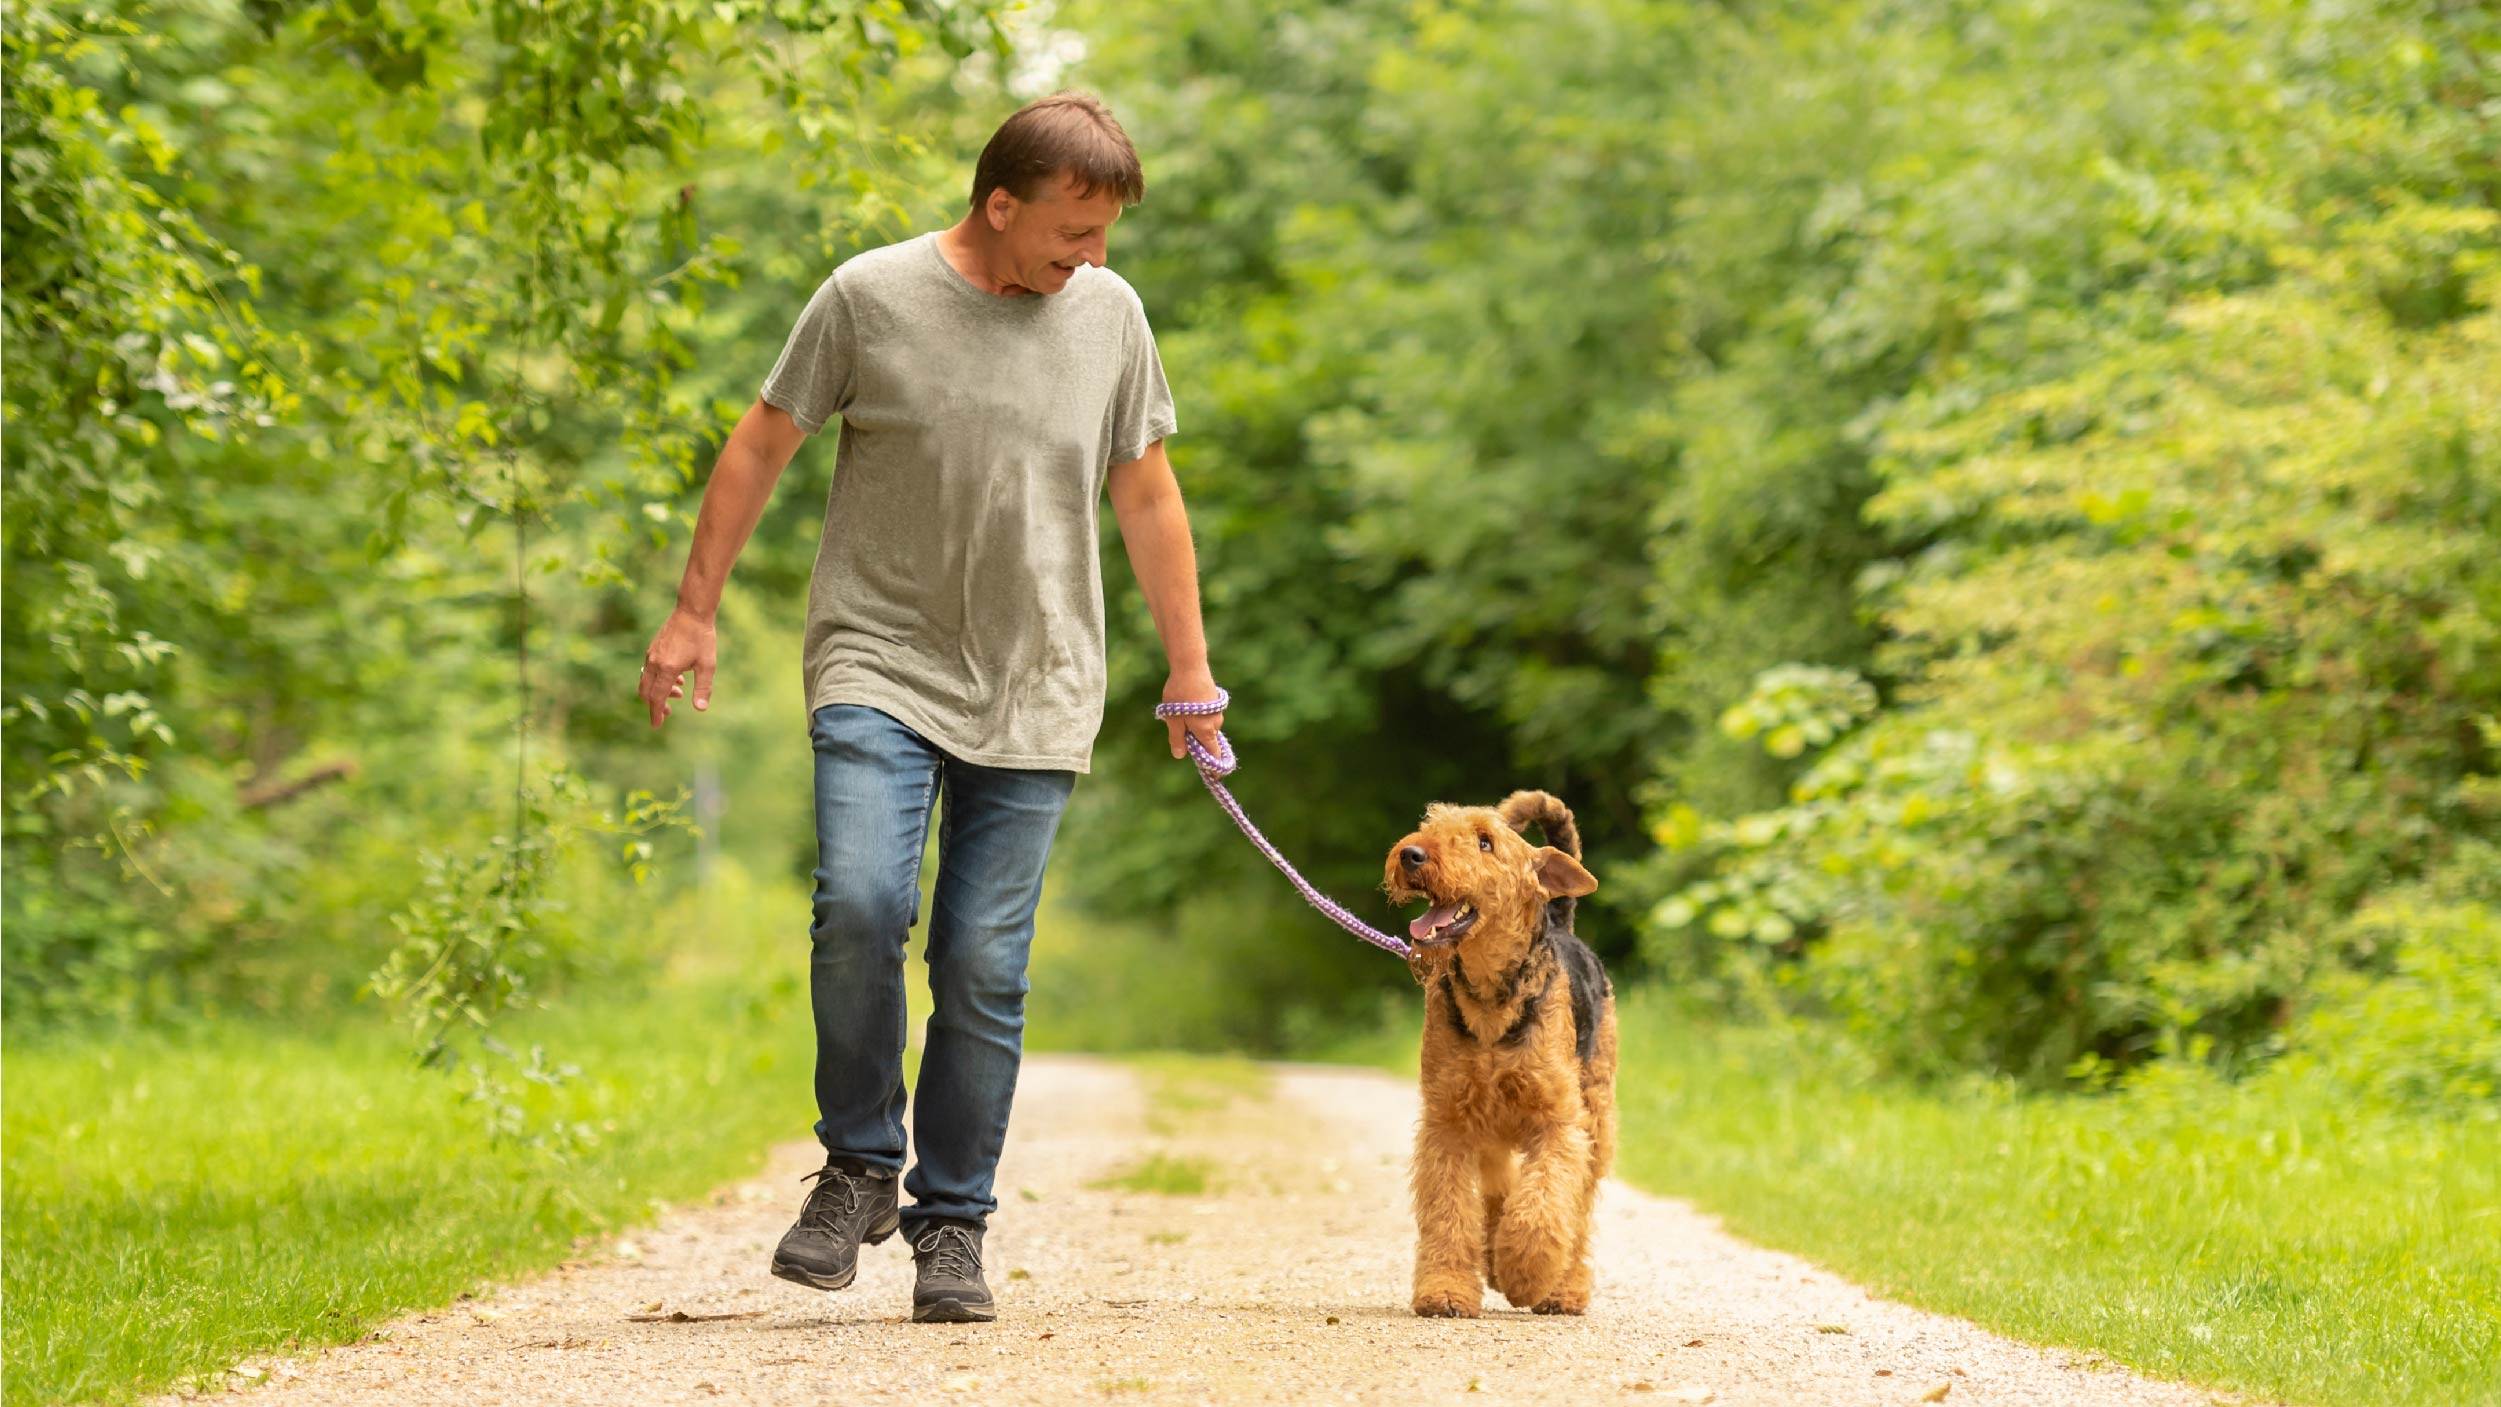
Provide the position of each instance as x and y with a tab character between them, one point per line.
1284	1280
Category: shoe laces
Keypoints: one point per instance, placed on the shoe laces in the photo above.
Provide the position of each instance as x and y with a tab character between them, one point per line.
950	1251
835	1197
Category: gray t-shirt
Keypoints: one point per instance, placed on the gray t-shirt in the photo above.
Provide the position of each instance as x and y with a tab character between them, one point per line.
958	583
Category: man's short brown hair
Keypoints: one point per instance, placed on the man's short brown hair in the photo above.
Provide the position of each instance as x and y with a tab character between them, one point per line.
1069	130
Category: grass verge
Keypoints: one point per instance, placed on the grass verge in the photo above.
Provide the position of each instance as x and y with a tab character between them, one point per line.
1183	1089
1163	1174
178	1201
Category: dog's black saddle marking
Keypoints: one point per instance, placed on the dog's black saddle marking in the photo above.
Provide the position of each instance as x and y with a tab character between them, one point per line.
1589	988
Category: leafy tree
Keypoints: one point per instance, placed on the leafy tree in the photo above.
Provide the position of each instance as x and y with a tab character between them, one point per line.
346	418
2206	660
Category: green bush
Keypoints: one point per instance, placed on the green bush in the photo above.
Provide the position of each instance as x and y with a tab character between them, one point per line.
2205	659
378	452
2159	338
2420	1030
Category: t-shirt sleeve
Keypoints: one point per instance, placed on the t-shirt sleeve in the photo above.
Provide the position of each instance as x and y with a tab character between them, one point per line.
1141	401
812	379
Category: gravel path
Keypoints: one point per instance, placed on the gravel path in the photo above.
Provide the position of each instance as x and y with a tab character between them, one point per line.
1284	1281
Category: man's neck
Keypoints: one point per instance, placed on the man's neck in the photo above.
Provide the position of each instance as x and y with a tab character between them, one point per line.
967	246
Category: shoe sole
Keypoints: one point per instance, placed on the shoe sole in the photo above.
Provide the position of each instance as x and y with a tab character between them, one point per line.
800	1275
953	1311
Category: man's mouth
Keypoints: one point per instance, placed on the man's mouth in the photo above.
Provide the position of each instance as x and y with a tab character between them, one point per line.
1442	923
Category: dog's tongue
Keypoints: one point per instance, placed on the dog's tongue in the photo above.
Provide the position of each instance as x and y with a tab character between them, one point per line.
1435	917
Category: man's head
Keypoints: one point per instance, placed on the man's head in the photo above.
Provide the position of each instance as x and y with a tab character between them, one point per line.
1048	187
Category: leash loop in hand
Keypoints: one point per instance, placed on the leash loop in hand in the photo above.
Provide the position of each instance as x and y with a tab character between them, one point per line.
1219	763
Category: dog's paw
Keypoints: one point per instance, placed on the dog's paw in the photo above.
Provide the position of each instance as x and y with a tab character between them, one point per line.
1562	1304
1511	1287
1441	1304
1534	1296
1528	1264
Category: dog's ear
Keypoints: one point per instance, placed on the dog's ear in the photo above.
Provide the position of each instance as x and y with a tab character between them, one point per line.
1559	874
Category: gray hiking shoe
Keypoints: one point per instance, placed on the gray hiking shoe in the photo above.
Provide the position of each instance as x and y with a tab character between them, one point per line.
849	1204
947	1287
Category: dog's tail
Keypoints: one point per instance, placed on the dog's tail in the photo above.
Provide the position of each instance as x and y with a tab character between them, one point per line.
1546	811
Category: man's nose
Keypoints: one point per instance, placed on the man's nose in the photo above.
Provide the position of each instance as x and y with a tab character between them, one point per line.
1412	857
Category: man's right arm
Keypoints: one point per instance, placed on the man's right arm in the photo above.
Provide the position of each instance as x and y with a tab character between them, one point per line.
751	463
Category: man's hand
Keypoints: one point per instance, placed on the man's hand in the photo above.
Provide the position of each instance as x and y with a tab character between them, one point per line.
1192	686
685	642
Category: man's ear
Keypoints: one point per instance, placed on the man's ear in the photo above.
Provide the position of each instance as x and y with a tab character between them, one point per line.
1560	875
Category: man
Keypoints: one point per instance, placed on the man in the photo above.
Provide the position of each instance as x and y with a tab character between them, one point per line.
993	379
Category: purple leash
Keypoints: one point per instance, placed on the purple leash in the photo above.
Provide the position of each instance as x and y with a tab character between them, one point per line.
1221	763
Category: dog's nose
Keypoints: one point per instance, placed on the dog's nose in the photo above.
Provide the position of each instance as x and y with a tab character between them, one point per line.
1412	857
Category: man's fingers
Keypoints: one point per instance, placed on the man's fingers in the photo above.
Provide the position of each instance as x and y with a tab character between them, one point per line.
1202	726
648	687
703	682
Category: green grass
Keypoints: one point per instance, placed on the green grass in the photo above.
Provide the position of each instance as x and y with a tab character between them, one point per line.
1391	1045
178	1201
1183	1089
1195	1084
1164	1174
2264	1238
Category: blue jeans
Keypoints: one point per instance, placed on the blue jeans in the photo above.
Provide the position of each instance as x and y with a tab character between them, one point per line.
875	781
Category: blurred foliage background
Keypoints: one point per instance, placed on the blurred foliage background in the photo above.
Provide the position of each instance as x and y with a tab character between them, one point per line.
1985	509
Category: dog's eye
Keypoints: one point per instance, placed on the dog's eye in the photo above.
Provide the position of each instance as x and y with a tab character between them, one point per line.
1484	841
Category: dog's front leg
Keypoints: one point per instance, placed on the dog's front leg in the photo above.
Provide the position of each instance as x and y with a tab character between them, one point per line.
1449	1224
1572	1295
1541	1221
1495	1167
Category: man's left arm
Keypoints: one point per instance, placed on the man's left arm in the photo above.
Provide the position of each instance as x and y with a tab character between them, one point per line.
1155	531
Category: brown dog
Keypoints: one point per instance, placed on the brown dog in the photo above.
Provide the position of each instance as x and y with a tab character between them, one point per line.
1519	1057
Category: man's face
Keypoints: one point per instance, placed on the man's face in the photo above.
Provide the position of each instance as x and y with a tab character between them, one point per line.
1046	238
